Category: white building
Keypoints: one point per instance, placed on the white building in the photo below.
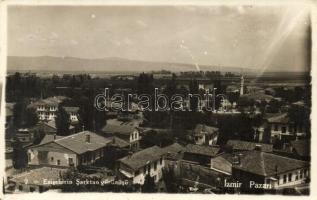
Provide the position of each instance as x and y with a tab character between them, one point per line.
137	166
82	148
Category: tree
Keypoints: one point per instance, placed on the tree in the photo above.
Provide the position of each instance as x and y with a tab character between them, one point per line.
18	114
193	89
62	121
31	117
169	179
19	157
149	184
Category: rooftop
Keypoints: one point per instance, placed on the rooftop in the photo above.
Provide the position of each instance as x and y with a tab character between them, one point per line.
142	158
116	126
268	164
36	176
301	147
117	142
174	151
77	142
202	128
248	146
49	138
202	150
281	118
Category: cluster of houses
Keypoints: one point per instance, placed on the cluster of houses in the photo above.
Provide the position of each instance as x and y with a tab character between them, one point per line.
239	167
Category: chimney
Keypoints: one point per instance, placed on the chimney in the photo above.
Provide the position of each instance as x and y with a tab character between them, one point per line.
88	138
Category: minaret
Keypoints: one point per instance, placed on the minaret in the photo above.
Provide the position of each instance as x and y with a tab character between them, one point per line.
242	86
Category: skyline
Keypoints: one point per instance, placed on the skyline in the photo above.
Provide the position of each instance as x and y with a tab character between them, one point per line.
254	37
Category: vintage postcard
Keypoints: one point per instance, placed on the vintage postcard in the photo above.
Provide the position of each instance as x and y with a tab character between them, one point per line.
164	97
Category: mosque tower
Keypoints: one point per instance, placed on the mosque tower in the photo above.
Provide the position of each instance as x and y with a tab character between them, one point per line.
242	85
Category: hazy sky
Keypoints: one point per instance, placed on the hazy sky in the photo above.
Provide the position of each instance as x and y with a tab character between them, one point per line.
251	36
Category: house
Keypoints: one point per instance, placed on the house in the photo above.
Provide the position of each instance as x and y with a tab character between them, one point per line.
238	145
137	166
301	149
24	135
46	108
298	149
204	134
282	127
222	163
82	148
173	153
200	154
73	113
37	180
49	127
277	172
126	130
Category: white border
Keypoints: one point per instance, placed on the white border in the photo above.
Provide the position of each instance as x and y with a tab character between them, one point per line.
115	196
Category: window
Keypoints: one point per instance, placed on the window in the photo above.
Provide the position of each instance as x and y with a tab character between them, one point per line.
275	127
161	161
305	172
52	158
300	174
283	129
70	161
155	165
137	172
290	177
155	178
58	162
20	187
284	178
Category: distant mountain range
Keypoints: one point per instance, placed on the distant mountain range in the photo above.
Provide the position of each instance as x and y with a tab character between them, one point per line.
111	64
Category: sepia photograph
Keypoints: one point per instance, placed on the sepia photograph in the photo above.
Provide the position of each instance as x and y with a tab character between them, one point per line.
158	98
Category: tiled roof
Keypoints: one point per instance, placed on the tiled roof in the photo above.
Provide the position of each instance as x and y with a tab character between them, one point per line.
49	138
203	128
117	142
142	158
174	151
301	147
77	142
268	164
282	118
222	163
173	148
115	126
36	176
202	150
52	124
248	146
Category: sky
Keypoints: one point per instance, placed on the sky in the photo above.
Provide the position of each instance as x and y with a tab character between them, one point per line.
258	37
